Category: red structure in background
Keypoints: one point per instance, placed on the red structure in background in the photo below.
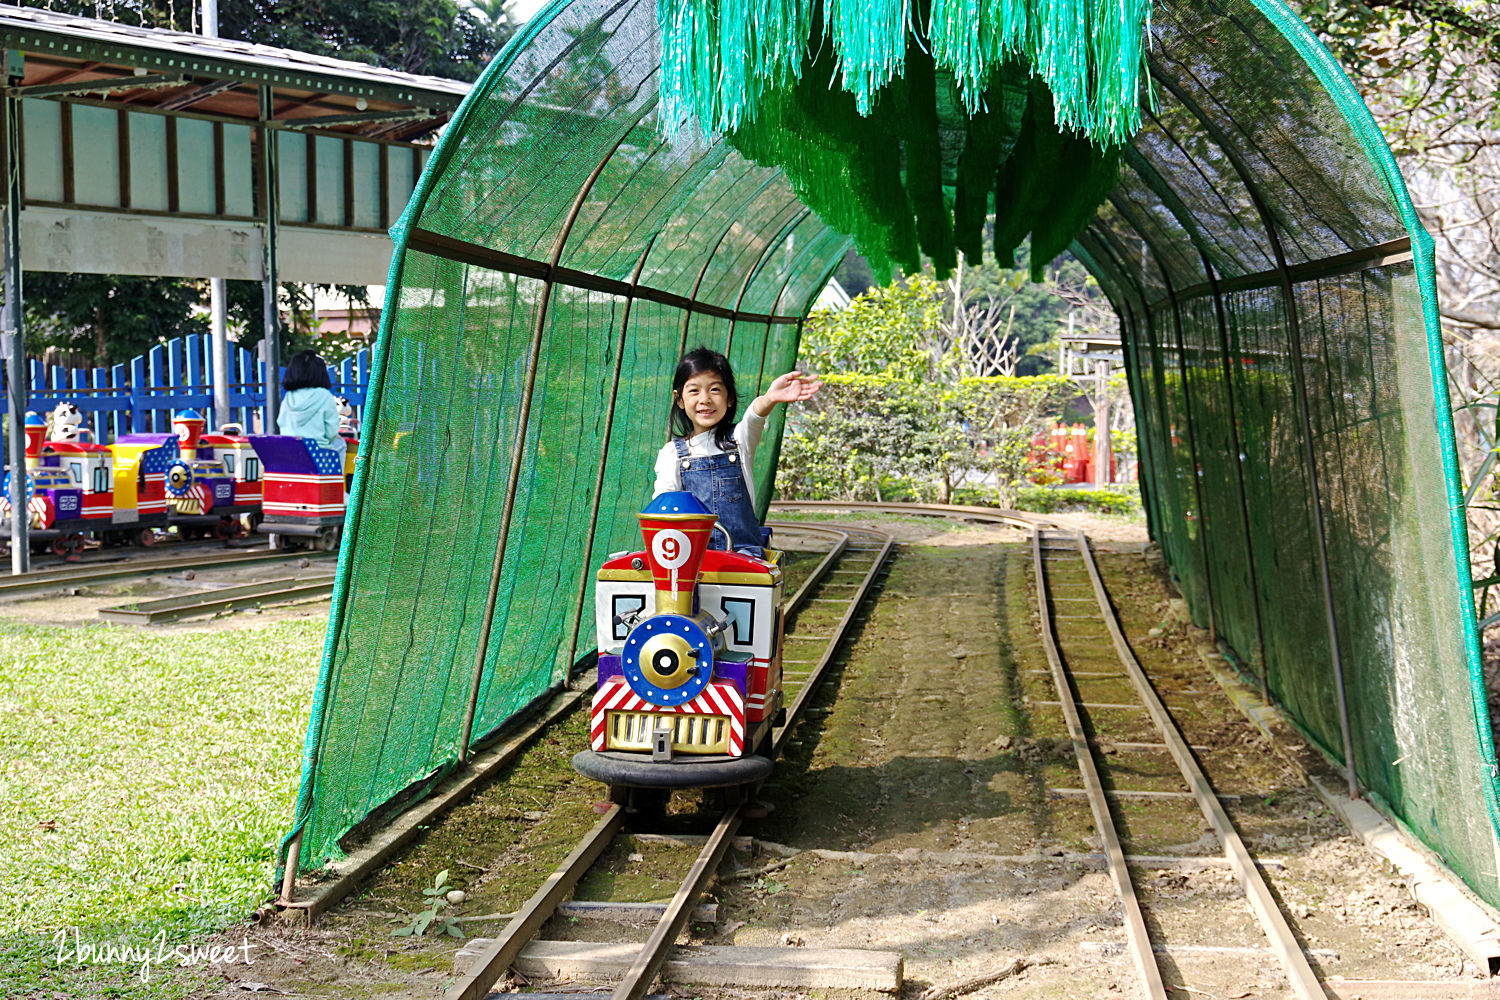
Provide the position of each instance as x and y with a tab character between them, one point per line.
1066	454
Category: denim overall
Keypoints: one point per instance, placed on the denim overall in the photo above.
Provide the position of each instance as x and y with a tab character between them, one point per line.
719	482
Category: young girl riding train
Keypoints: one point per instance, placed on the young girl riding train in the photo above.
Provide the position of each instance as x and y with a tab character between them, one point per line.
710	455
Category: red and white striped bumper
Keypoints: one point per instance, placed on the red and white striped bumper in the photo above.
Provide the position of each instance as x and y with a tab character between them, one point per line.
720	698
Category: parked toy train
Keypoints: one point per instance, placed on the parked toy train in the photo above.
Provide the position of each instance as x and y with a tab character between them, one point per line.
199	483
689	658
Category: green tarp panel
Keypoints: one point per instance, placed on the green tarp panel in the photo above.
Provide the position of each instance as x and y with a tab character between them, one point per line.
1276	297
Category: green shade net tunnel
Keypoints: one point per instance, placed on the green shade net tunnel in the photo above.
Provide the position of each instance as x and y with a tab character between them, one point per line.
566	243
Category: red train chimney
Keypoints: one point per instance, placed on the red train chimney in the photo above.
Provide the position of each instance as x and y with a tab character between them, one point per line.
676	527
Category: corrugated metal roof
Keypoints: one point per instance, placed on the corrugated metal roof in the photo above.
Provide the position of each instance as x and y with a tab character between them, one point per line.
84	39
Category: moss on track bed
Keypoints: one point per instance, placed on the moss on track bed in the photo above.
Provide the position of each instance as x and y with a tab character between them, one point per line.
917	788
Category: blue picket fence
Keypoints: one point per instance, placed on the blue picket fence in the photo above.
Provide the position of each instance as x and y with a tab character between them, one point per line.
140	397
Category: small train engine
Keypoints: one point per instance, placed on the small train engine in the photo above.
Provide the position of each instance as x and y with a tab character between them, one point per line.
689	658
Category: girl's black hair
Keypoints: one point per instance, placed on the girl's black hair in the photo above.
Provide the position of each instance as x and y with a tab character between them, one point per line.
696	362
306	370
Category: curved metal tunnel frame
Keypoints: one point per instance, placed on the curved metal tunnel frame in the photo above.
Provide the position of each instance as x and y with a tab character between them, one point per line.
554	180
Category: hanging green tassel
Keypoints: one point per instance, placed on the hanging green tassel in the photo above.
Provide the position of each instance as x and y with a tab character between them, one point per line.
915	171
719	57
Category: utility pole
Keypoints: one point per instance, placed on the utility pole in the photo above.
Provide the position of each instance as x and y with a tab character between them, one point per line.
218	297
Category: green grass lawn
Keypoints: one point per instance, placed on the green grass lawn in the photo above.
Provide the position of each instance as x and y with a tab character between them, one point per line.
145	780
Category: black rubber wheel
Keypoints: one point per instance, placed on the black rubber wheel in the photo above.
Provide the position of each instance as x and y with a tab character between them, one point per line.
640	771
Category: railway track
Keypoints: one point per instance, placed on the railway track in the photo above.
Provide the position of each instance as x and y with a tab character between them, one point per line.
87	574
219	600
818	616
950	512
1100	685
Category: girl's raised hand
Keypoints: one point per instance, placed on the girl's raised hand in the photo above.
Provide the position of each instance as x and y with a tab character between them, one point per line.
793	387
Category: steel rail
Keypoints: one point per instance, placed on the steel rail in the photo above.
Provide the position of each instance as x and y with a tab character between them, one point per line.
1136	936
815	674
226	599
653	954
537	910
502	953
71	576
795	602
1299	972
991	515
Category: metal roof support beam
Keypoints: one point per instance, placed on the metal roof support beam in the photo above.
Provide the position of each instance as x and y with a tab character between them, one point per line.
1299	390
1145	326
1152	489
190	97
1187	401
609	429
270	213
765	257
12	335
98	86
692	306
1192	436
326	121
1095	246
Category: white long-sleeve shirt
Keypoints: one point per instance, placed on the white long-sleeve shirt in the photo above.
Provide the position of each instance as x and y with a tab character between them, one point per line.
747	434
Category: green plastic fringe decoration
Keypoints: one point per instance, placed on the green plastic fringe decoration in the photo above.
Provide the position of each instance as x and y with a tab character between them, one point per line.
918	174
720	57
908	144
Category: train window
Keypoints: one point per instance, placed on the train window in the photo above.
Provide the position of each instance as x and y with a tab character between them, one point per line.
102	483
75	469
252	469
624	604
741	611
229	462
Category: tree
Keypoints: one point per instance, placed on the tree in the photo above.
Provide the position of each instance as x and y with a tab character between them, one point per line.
1000	323
899	412
107	317
433	37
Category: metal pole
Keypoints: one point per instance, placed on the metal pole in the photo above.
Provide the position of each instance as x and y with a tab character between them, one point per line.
13	341
1101	423
289	876
271	211
218	300
219	341
1239	473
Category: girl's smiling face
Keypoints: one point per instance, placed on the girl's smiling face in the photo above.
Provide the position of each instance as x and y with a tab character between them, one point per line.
705	400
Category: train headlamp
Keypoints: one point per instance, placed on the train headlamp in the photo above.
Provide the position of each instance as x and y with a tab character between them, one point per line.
668	659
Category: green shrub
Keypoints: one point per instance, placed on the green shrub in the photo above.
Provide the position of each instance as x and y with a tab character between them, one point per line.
1123	500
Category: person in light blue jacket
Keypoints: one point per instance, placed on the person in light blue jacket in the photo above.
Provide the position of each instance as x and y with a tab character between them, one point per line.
308	408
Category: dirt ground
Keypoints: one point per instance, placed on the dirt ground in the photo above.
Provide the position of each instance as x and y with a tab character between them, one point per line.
914	814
